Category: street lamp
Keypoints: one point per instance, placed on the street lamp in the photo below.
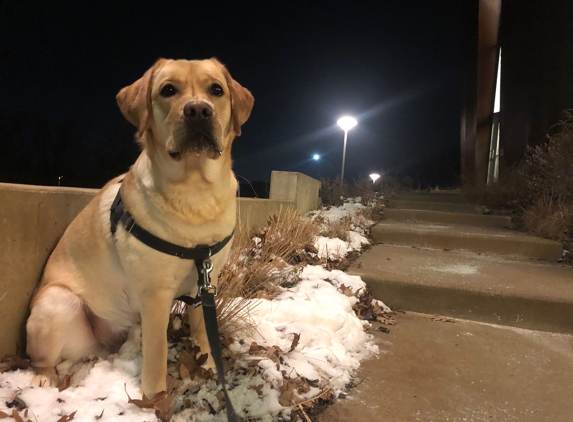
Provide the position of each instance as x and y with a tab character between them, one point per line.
346	123
374	177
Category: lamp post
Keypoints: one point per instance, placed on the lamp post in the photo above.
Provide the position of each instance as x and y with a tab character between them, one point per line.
346	123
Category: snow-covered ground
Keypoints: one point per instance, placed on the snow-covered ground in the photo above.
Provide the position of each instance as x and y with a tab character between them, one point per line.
308	341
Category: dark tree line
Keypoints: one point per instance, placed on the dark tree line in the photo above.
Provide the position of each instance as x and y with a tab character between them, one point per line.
39	151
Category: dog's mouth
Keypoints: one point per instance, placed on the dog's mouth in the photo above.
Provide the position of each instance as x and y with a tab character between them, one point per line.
196	143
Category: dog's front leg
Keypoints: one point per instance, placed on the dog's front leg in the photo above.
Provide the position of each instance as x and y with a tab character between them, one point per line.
199	333
156	307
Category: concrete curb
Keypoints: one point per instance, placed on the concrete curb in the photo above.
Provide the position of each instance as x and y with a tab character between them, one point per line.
441	217
437	206
449	198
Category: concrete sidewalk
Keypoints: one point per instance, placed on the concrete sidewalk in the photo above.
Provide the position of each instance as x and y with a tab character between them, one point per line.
461	371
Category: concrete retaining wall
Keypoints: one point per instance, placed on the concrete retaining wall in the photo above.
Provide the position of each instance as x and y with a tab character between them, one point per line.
296	187
32	220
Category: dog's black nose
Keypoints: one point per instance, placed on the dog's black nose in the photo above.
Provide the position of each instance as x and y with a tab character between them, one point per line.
197	110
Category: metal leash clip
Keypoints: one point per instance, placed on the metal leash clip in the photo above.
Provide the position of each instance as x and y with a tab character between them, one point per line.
207	267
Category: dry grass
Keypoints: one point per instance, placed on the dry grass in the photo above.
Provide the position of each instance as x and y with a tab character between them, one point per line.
335	228
262	261
548	218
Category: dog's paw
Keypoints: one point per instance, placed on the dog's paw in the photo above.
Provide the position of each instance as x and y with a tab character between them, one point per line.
45	381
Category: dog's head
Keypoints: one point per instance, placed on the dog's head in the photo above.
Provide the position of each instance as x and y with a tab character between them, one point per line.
187	107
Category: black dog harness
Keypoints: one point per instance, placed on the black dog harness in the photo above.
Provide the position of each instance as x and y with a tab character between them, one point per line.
206	293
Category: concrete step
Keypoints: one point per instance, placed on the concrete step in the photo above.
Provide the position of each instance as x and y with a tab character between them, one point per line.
474	239
441	217
452	198
508	291
462	371
437	206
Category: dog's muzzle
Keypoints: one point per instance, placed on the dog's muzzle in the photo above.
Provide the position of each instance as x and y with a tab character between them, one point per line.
197	137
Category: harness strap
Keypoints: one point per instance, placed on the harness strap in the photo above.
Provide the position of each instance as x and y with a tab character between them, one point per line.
120	215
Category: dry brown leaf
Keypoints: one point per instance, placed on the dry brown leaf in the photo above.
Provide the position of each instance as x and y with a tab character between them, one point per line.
97	418
144	402
65	382
184	372
294	342
221	400
165	408
16	416
195	370
255	347
347	291
386	320
288	390
273	354
67	418
201	359
257	388
440	319
227	341
13	362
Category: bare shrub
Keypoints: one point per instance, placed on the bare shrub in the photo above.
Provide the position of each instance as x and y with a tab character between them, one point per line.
539	191
337	228
372	213
363	188
332	192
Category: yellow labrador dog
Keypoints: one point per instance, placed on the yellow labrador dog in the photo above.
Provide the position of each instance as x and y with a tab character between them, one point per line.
181	189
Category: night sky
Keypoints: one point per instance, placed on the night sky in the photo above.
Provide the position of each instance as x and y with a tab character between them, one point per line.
395	66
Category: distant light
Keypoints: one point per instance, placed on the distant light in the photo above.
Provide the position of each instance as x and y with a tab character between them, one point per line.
347	123
316	157
374	177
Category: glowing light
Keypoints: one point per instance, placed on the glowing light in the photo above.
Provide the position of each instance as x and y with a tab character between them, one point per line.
347	123
316	157
374	177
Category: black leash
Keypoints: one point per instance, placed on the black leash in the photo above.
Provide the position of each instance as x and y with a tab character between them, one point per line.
201	254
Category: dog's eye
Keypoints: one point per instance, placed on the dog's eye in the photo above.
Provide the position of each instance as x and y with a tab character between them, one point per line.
217	90
168	91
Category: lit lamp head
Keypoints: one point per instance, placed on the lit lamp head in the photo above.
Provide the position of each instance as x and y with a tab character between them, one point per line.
374	177
347	123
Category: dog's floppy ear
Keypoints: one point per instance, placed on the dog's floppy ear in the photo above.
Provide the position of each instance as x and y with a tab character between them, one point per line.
134	100
241	102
